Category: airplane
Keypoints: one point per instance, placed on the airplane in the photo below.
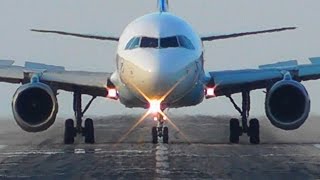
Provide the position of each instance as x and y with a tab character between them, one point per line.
160	65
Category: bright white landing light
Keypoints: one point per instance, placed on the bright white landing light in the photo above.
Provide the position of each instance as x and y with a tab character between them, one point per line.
155	106
112	93
210	92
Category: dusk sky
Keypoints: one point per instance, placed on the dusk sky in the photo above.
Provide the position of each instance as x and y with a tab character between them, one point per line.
110	17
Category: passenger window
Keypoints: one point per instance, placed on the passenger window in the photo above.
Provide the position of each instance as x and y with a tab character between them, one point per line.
133	43
169	42
185	42
147	42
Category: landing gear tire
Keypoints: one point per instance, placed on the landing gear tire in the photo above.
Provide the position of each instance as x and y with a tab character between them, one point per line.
235	131
165	136
254	131
69	132
89	131
154	134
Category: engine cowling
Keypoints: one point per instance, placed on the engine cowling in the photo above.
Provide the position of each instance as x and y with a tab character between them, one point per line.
34	107
287	104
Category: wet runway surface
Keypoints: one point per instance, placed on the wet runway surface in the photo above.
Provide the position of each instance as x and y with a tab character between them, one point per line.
199	150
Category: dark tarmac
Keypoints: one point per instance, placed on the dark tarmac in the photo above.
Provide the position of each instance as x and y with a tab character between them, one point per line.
200	150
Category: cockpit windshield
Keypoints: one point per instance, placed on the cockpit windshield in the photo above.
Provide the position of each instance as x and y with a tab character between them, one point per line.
147	42
169	42
166	42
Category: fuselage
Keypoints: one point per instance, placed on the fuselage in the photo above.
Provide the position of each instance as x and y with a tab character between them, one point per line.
159	56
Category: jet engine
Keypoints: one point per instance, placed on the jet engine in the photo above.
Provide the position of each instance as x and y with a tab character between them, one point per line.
287	104
34	107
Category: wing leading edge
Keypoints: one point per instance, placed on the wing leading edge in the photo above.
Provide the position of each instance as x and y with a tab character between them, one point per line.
236	81
91	83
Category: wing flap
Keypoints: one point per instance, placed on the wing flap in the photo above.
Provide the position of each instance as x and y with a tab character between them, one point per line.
6	62
43	67
311	71
284	64
315	60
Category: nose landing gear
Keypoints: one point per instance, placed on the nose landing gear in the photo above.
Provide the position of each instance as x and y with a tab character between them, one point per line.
160	131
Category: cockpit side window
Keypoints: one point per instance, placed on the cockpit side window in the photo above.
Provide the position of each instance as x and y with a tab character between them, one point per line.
185	42
133	43
147	42
169	42
129	43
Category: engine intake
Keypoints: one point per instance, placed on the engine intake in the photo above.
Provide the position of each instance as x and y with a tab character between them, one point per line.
287	104
34	107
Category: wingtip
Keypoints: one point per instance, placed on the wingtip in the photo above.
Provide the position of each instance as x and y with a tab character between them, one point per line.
34	30
38	30
292	28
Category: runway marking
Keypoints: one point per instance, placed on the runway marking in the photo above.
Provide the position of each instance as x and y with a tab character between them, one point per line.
79	151
317	146
162	161
3	146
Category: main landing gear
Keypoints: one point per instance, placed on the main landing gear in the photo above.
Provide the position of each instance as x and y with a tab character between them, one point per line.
71	131
160	131
236	130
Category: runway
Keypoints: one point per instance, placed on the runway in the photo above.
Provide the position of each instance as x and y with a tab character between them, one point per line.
202	153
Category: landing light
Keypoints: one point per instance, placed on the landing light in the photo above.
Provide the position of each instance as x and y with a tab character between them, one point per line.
112	94
210	92
155	106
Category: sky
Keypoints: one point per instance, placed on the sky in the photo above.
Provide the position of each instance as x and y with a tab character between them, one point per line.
110	17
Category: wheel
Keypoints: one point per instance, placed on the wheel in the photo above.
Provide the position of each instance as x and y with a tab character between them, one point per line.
235	131
88	131
254	131
154	135
69	132
165	137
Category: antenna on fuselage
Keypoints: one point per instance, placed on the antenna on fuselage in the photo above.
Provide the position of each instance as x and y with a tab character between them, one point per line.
163	5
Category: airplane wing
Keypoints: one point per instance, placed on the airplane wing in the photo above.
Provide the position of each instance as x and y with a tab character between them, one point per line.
235	35
91	83
226	83
88	36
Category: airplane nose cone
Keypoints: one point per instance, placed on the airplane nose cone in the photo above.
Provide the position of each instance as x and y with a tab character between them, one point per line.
159	73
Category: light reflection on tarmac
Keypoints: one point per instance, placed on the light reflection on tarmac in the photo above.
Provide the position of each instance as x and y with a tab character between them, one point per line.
282	155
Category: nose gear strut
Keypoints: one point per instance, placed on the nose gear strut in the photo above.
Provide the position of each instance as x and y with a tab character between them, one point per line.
160	131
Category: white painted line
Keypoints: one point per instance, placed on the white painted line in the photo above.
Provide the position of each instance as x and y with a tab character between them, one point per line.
120	153
3	146
79	151
31	153
162	161
317	146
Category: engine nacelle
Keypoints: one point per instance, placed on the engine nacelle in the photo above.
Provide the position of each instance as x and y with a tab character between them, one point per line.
34	107
287	104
